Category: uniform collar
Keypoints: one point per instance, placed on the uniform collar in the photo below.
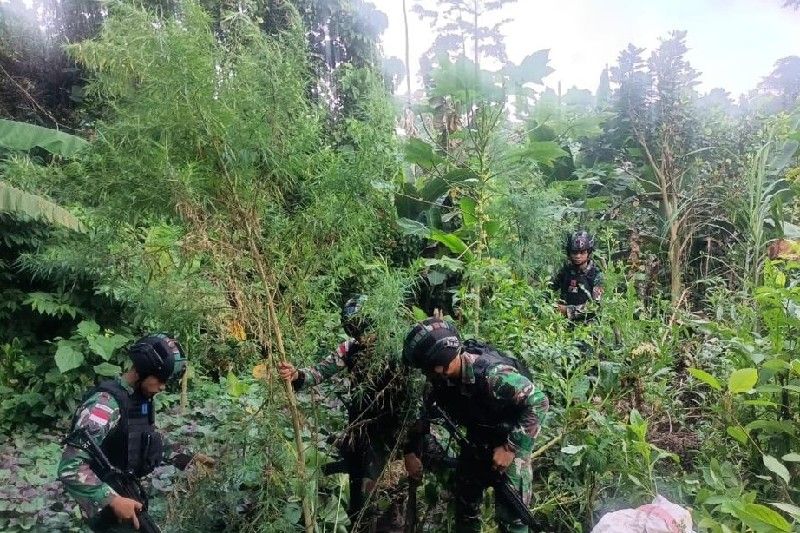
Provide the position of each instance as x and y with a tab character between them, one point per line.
468	368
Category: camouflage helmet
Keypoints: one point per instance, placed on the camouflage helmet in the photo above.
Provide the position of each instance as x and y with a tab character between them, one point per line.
431	343
579	241
158	355
354	322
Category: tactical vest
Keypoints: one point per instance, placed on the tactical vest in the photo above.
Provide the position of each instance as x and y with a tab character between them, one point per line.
487	420
133	445
576	286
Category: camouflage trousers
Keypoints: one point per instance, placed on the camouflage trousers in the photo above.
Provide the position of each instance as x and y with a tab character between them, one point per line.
472	478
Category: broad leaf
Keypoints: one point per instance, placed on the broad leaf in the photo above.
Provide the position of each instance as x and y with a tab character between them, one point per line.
452	241
420	153
776	467
419	314
544	152
22	136
789	509
21	203
737	433
572	449
706	378
67	357
532	69
435	277
412	227
87	328
107	370
742	380
760	517
105	346
468	211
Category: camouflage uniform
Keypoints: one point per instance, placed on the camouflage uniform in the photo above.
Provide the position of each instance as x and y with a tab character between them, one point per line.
374	413
518	408
99	415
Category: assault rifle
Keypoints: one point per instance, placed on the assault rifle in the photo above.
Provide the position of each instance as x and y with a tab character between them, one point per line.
125	484
499	480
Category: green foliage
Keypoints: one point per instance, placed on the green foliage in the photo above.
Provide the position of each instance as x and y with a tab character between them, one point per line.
24	137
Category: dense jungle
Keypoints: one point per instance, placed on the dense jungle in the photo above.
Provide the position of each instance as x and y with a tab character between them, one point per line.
233	172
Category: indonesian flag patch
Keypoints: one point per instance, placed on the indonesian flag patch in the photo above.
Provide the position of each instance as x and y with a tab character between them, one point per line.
100	414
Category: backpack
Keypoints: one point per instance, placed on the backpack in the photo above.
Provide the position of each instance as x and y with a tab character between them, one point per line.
482	349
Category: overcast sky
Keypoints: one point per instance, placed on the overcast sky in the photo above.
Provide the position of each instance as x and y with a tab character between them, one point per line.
733	43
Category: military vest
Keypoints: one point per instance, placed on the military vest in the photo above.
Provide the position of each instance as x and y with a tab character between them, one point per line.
488	421
133	445
576	287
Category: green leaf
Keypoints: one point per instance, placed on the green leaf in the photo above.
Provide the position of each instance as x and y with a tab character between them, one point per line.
572	449
532	69
452	241
419	314
21	203
757	516
789	509
435	277
467	206
760	403
706	378
105	346
22	136
544	152
791	457
737	433
772	426
88	327
776	467
107	369
742	380
412	227
420	153
67	357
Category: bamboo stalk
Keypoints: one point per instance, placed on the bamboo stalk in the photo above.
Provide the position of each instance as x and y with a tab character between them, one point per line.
297	424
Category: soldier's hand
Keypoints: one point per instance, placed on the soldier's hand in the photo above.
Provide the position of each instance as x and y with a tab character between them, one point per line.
413	466
562	309
502	457
125	509
287	371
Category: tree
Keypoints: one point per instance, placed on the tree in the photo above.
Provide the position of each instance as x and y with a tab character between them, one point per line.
784	82
657	107
461	28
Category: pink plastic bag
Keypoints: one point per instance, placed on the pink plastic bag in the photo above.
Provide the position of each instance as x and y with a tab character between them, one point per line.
661	516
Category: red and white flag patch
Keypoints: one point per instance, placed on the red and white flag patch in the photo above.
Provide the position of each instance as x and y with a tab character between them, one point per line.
100	414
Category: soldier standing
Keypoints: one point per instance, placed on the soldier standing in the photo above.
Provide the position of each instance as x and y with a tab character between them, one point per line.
118	417
376	406
580	280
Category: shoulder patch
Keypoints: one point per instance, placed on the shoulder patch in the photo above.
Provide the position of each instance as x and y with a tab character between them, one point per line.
100	414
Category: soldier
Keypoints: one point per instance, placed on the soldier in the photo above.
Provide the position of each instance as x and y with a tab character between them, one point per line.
376	404
118	416
487	393
579	280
